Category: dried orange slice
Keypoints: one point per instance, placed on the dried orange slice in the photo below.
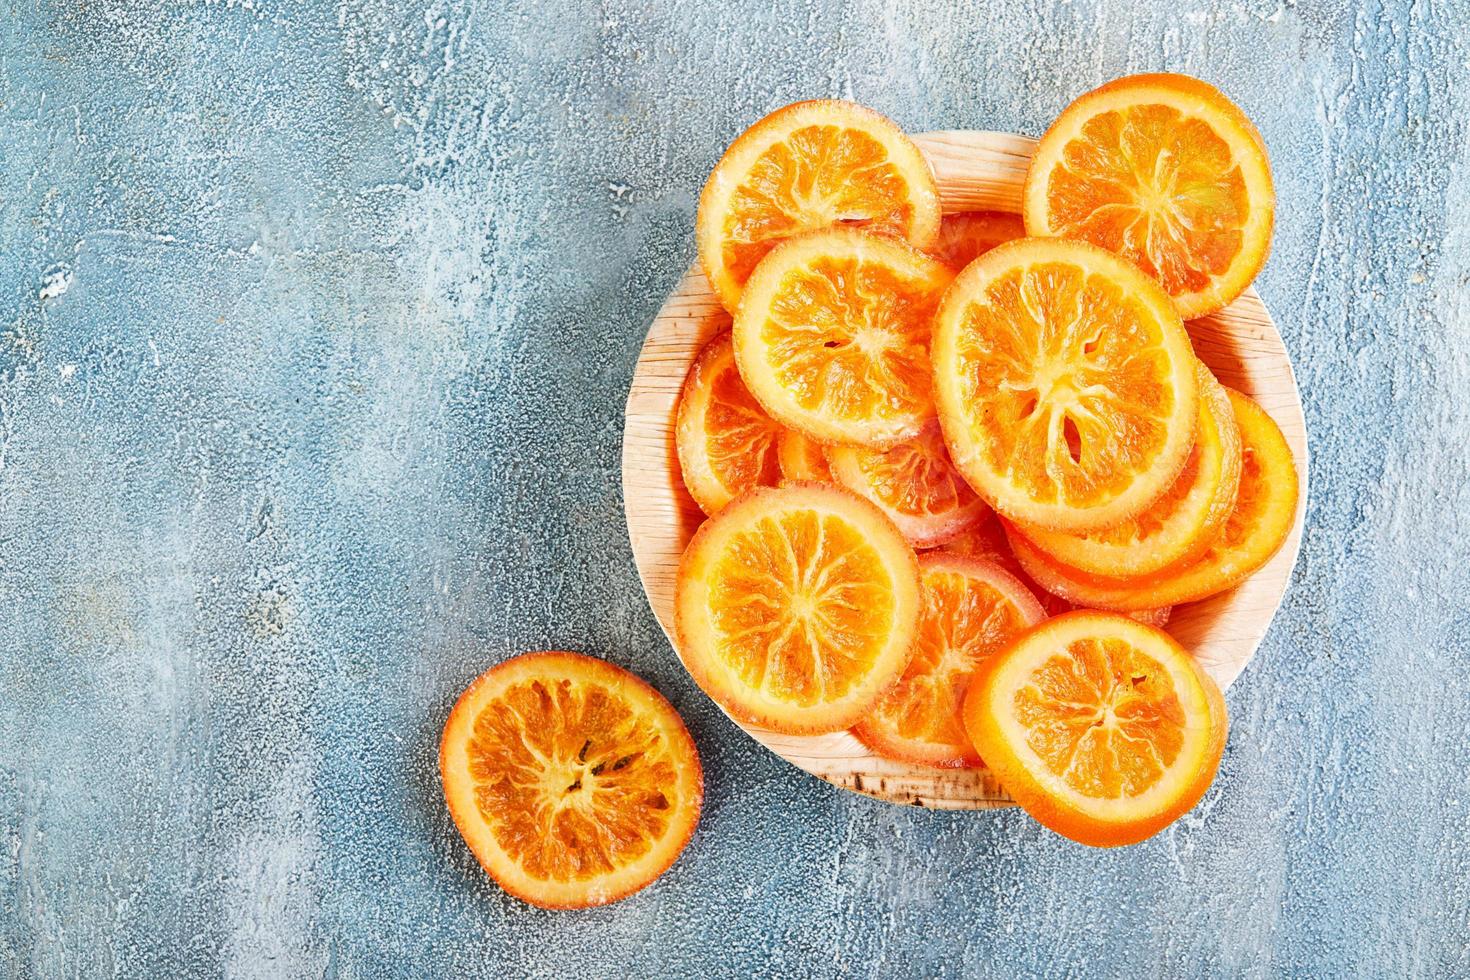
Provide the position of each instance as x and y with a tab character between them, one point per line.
1183	523
1102	728
801	458
967	235
832	336
915	484
796	607
1167	172
573	782
971	608
726	441
1065	384
1265	509
808	166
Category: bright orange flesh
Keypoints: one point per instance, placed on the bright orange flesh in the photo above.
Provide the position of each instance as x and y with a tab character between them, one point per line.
796	607
832	336
1183	523
1065	383
971	608
987	540
801	458
726	441
915	484
573	782
1104	729
1167	172
966	236
808	166
1265	509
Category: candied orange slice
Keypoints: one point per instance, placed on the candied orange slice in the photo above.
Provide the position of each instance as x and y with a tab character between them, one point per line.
796	607
967	235
971	608
801	458
1167	172
1065	384
1183	523
915	484
726	441
808	166
1265	509
832	336
1102	728
573	782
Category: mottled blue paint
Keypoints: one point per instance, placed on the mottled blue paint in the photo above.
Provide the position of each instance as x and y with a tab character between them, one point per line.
315	326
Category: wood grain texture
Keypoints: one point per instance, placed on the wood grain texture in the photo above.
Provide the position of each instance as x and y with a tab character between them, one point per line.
975	171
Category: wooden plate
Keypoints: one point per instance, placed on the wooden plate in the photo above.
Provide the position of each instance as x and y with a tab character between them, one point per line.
975	171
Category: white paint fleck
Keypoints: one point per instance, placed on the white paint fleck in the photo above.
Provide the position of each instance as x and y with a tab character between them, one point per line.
56	281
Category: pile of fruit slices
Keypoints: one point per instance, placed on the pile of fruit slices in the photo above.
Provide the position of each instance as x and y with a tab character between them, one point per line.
931	450
958	468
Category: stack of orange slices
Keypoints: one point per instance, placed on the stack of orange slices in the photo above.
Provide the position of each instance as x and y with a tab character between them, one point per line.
925	440
957	471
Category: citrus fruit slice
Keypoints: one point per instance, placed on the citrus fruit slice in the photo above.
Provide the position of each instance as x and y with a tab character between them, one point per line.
1165	171
1183	523
832	336
914	483
971	608
808	166
796	607
1102	728
726	441
801	458
966	236
1265	509
1065	384
573	782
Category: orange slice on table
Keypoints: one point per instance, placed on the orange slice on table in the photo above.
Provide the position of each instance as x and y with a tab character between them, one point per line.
967	235
796	607
726	441
1183	523
1167	172
801	458
971	608
1102	728
573	782
1265	510
1065	383
808	166
832	336
915	484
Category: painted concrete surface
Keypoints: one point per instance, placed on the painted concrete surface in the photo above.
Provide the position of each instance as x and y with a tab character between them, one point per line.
316	321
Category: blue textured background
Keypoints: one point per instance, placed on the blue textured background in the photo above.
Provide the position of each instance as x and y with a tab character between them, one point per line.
316	321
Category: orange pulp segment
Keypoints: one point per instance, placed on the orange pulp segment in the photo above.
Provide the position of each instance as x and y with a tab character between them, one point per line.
832	336
914	483
726	441
1265	510
967	235
1065	384
801	458
1183	523
811	165
1167	172
1102	728
796	607
971	608
573	782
